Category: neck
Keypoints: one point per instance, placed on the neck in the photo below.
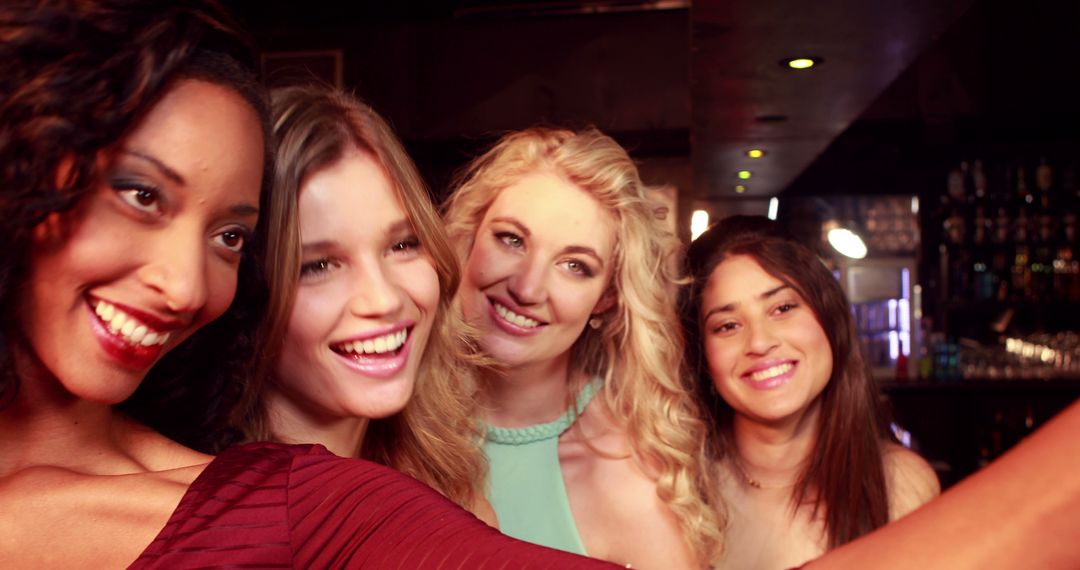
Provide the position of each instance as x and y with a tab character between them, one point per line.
528	394
292	423
47	426
773	455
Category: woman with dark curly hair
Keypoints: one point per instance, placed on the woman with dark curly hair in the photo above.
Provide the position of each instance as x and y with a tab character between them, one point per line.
797	435
133	139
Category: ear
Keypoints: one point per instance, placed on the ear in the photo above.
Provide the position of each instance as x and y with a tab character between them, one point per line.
606	302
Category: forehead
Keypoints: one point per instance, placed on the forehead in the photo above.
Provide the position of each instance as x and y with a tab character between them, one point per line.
350	197
556	210
209	135
737	279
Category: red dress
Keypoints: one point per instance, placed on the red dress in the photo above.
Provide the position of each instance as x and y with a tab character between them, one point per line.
266	505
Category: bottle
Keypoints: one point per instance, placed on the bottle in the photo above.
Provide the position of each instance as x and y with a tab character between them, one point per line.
983	279
1021	258
979	182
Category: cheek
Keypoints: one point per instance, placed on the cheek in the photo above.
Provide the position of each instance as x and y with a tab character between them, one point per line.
221	288
485	265
421	282
720	358
312	317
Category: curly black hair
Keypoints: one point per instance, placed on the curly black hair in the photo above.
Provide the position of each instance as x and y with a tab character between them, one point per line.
77	76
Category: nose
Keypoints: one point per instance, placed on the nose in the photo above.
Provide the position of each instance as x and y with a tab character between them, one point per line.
375	292
760	338
527	286
177	270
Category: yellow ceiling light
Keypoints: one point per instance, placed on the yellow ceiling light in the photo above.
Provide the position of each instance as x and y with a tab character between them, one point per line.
743	174
800	62
739	188
755	153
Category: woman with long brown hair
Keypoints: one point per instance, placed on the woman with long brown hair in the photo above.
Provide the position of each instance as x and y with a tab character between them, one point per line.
798	435
375	361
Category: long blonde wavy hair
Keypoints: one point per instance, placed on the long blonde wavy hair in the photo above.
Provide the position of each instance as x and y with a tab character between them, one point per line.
435	437
639	350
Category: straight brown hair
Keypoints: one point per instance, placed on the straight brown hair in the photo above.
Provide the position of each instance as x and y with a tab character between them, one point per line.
845	476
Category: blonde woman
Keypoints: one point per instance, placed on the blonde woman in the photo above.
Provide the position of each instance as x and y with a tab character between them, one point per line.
373	364
593	439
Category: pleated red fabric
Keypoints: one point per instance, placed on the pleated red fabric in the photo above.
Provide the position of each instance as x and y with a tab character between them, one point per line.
267	505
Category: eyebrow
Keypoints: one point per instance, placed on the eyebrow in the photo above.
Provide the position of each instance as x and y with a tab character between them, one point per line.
167	171
578	249
173	175
507	220
731	306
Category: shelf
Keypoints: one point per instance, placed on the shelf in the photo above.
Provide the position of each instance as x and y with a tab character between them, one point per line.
1016	385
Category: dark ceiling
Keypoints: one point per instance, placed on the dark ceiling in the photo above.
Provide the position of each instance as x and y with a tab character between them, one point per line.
703	83
743	98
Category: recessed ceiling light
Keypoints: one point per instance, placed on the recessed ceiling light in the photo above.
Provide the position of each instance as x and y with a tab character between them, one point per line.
743	174
739	188
770	118
755	153
800	62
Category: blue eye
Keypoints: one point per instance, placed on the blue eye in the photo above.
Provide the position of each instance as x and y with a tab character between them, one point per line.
511	239
579	268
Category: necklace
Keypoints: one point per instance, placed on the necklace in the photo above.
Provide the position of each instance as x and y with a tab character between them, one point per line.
754	483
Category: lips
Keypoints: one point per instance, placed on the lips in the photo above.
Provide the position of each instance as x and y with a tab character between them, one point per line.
131	337
379	354
513	321
766	376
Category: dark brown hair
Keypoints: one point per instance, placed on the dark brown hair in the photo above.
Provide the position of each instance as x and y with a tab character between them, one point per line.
77	75
845	474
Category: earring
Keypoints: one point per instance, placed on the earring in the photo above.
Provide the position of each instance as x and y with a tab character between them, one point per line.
595	322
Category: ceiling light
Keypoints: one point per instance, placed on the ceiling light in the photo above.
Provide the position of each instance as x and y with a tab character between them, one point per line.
743	174
755	153
739	188
774	207
847	242
699	222
800	62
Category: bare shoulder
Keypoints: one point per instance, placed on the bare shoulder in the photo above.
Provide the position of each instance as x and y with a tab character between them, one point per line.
910	480
484	511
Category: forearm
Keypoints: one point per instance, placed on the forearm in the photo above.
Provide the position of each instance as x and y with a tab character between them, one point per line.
1021	511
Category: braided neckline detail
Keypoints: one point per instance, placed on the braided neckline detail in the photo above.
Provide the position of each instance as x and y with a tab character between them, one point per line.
555	428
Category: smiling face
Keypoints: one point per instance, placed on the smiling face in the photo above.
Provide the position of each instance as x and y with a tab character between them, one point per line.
539	268
152	252
768	355
366	301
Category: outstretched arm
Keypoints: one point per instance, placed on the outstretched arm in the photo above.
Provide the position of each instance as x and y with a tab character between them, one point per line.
1022	511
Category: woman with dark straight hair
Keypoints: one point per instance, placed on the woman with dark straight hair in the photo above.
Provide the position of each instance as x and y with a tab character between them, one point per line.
798	434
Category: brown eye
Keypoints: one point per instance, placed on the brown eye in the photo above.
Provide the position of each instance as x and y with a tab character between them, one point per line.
143	199
232	240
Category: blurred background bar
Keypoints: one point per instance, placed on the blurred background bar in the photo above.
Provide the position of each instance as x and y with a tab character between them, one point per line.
935	142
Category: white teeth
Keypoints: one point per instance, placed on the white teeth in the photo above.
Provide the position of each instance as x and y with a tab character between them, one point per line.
771	372
128	327
378	345
514	318
117	321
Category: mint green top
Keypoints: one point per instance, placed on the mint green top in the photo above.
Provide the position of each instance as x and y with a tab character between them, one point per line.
526	484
